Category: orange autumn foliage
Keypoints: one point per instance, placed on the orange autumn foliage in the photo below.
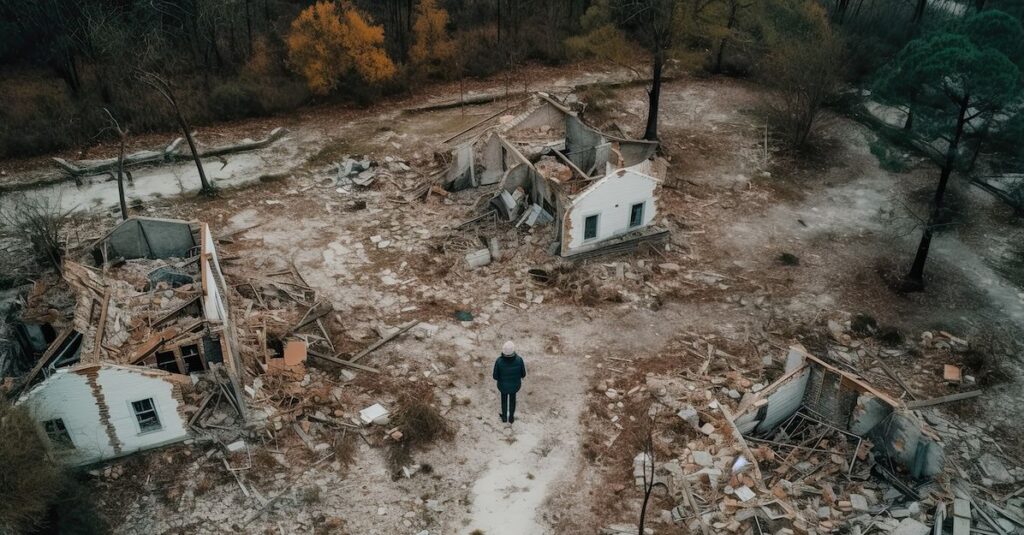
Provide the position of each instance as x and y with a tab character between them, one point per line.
327	42
432	46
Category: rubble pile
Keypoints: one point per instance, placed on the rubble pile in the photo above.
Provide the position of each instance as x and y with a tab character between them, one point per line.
806	474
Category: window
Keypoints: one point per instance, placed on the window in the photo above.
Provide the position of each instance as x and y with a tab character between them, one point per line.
193	362
145	413
590	227
636	215
165	361
58	434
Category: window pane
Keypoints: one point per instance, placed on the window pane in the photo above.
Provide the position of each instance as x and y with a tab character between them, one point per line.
590	227
636	215
58	433
145	413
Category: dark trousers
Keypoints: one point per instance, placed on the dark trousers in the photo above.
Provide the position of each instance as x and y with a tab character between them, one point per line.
508	405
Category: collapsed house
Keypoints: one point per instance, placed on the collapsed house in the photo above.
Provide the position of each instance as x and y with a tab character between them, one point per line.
817	449
599	190
819	394
150	318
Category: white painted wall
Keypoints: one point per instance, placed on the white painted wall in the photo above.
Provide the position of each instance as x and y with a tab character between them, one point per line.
612	197
67	395
213	304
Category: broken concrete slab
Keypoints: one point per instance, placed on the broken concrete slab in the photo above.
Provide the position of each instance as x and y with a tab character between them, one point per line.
909	526
994	468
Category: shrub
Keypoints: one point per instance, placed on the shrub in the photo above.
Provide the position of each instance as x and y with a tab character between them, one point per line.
234	100
38	221
37	116
421	424
888	158
789	259
863	324
478	53
29	482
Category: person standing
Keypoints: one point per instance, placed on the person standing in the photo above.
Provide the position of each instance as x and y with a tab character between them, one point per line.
509	371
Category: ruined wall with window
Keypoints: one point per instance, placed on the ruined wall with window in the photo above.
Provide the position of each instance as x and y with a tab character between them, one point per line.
95	412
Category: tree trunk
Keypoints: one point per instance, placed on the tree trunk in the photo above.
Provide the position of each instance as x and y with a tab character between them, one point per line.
248	24
120	179
195	153
919	11
914	280
721	45
654	96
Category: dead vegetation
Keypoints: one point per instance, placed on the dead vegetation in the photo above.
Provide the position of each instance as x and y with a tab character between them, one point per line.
39	222
420	424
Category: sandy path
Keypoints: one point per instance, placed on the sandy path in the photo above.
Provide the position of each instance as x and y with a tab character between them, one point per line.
527	457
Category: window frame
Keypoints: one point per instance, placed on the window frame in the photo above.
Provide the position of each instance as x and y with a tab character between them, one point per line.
640	222
58	442
146	427
597	226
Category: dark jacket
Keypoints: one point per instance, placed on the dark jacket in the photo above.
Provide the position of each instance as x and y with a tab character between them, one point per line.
509	371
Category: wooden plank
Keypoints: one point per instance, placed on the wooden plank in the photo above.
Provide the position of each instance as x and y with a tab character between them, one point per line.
43	360
305	438
944	399
102	326
343	362
373	347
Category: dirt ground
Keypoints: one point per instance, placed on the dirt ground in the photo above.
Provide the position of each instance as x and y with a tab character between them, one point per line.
733	208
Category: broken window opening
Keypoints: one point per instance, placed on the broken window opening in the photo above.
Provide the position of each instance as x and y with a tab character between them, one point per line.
165	361
636	215
590	227
145	413
193	361
58	434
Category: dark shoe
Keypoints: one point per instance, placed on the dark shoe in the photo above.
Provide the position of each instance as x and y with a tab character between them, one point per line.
511	419
503	418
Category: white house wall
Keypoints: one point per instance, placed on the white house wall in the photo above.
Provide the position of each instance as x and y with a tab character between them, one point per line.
95	406
213	304
611	199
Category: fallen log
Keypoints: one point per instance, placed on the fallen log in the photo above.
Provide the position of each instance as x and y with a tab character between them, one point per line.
169	154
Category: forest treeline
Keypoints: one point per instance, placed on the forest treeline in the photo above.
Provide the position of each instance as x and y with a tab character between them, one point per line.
64	62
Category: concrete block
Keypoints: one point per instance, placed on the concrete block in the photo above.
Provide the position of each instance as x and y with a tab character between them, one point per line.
859	503
909	526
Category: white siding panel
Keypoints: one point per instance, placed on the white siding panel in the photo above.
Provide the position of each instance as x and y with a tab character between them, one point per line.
67	396
611	198
121	387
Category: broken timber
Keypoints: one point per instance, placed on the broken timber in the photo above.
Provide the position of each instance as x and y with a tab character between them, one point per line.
373	347
342	362
944	399
171	153
622	246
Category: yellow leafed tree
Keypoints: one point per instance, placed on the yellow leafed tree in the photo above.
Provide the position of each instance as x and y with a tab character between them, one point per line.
432	46
327	42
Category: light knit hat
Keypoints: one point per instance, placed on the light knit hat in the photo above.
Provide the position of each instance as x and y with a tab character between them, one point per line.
508	349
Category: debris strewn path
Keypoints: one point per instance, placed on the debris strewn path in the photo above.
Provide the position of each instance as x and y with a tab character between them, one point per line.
527	457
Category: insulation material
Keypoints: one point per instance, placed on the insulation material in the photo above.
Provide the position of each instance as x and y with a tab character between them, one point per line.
906	439
146	237
776	403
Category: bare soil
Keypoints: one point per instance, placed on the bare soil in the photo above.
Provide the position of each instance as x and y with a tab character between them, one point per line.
733	210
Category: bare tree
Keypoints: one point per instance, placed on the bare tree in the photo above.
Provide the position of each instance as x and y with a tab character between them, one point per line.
647	447
161	86
121	135
805	71
38	221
